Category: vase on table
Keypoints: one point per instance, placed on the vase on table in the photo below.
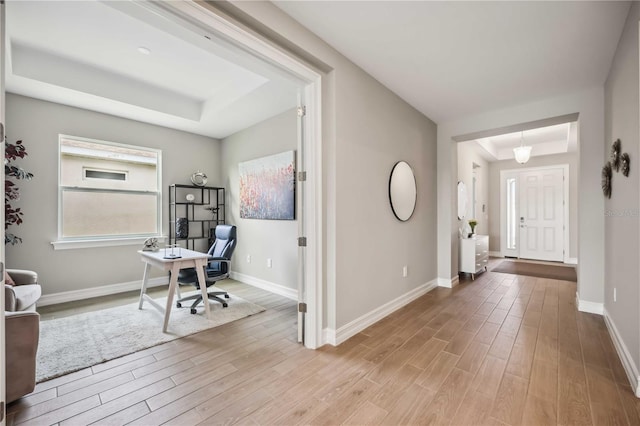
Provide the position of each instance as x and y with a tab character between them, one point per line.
472	224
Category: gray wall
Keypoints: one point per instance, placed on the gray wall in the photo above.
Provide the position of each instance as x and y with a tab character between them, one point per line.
38	124
621	211
261	239
375	130
468	156
366	129
545	160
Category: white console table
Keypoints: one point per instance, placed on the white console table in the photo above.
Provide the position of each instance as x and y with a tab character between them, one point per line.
474	254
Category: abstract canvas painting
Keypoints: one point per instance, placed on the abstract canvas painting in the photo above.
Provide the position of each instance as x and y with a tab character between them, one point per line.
267	187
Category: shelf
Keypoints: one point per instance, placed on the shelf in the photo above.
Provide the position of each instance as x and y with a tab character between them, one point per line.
187	203
191	238
177	185
209	202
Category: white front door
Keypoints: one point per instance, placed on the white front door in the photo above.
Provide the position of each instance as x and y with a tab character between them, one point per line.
541	212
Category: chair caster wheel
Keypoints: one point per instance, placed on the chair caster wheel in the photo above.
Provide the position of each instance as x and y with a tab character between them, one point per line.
226	296
193	311
178	305
224	305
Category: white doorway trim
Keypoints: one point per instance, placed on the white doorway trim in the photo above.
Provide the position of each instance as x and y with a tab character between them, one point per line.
504	174
3	376
216	26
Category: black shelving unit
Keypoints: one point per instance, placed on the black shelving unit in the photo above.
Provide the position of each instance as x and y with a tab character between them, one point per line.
204	213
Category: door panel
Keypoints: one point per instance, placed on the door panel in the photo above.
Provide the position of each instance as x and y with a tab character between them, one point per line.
542	221
531	211
532	239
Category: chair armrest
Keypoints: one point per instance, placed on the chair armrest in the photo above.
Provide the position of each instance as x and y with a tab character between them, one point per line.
10	299
22	276
22	334
219	259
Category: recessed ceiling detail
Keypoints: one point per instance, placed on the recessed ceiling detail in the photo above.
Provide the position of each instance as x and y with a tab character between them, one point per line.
98	56
556	139
31	66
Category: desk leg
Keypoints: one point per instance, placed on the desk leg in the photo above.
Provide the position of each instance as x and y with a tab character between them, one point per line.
145	280
175	269
203	286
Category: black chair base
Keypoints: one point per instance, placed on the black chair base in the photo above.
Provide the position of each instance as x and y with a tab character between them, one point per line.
197	298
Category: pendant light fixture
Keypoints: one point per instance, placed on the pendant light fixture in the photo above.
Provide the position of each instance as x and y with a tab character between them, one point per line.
522	153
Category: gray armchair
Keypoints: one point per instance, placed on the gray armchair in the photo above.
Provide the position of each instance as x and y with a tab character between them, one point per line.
22	326
24	294
22	334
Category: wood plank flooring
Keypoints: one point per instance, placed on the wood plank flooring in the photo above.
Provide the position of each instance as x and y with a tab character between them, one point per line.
500	350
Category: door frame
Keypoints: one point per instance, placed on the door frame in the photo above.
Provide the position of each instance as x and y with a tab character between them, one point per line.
3	377
503	215
214	25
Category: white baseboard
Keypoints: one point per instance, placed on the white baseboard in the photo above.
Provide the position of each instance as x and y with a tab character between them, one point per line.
572	261
623	352
335	338
328	337
495	254
448	282
105	290
287	292
589	307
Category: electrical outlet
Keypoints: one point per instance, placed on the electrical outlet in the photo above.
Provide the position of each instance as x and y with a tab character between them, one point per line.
248	258
615	295
269	263
404	271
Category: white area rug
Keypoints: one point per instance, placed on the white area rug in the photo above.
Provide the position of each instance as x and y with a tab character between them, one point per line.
79	341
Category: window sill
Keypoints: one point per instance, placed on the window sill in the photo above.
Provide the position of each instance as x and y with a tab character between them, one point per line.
106	242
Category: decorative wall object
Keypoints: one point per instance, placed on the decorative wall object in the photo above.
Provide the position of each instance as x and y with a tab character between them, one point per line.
267	187
199	178
182	228
626	164
619	161
616	150
402	191
606	179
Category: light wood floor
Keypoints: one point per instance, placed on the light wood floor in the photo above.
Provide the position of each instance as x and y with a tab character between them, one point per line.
502	349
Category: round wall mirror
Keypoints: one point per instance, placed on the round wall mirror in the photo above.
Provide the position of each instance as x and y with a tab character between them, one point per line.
462	200
402	191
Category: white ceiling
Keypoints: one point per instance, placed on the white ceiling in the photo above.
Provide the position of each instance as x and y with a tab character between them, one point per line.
453	59
548	140
447	59
85	54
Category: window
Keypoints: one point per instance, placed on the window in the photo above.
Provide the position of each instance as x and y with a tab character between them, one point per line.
107	190
512	224
104	174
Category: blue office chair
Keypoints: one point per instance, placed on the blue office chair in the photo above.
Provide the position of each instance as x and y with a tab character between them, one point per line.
216	270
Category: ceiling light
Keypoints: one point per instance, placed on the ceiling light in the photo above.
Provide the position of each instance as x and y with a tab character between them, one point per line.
522	153
144	50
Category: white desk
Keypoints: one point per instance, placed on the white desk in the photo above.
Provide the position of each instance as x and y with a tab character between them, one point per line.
189	259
